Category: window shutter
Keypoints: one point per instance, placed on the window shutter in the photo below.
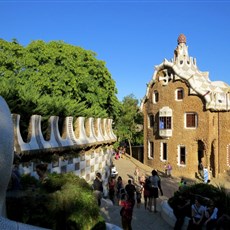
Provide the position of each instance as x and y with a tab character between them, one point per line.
190	120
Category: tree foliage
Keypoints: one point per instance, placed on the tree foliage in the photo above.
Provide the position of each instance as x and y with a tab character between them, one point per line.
129	120
55	78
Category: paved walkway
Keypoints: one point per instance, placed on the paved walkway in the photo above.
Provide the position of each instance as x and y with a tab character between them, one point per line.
143	219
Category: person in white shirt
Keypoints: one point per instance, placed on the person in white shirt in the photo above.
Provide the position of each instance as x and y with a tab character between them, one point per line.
206	175
197	215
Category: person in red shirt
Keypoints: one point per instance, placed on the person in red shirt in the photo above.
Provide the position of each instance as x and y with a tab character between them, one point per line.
126	212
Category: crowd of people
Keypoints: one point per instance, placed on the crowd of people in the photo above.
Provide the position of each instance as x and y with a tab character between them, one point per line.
141	187
203	216
149	189
201	211
119	153
15	180
131	194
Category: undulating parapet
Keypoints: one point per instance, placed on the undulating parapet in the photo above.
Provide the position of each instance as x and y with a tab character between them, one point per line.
83	133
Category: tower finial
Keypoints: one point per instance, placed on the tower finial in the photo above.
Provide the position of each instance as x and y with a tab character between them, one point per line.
181	39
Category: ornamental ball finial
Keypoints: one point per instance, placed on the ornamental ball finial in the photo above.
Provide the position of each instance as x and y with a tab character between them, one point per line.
181	39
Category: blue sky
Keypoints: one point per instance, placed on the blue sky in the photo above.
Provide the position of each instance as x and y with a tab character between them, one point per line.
130	36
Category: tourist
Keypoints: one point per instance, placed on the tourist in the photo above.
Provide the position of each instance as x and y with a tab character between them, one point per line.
165	169
206	175
169	170
182	183
197	215
154	179
111	188
130	189
142	179
139	190
119	187
211	216
201	169
126	212
181	210
159	184
117	155
136	174
122	152
41	170
98	188
16	177
146	187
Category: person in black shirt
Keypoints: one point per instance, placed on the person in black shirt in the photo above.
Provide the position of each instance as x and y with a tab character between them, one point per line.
130	189
181	209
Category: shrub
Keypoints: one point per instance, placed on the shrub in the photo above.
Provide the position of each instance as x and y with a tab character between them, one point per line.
28	181
64	202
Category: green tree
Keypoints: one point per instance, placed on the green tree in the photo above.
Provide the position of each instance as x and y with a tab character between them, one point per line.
56	78
129	123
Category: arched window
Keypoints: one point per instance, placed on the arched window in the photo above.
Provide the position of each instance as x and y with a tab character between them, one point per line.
155	96
151	120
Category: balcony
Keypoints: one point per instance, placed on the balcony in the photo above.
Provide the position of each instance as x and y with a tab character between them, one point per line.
165	133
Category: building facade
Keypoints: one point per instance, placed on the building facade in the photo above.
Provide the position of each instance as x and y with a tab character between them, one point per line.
186	118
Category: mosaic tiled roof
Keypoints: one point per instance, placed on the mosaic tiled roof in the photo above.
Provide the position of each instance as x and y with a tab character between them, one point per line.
215	93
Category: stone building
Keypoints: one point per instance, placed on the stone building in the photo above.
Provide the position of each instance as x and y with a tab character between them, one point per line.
186	117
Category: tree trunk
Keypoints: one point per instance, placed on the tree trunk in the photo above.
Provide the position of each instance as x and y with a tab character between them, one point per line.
130	148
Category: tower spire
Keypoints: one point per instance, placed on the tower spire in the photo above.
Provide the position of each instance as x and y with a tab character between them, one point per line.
181	51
